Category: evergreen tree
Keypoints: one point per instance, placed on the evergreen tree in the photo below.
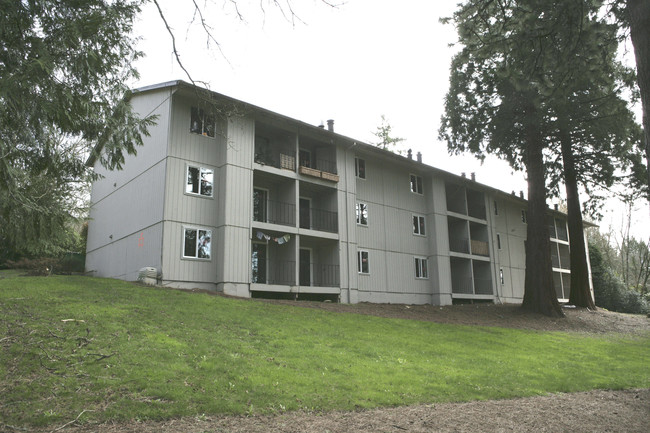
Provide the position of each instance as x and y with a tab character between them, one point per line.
524	87
64	65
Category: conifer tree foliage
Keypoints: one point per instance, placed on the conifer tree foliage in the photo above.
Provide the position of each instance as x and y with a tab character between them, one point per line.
64	65
524	87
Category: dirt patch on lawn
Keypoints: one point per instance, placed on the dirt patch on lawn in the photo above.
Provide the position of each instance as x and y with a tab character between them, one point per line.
588	412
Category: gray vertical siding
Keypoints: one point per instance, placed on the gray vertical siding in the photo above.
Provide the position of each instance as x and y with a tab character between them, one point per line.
127	204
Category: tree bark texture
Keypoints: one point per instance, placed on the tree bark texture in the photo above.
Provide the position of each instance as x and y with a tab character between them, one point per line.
580	291
639	16
539	293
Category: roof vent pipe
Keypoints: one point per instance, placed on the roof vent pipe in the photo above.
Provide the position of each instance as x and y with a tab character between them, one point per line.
330	125
321	125
473	176
420	157
462	174
409	154
521	194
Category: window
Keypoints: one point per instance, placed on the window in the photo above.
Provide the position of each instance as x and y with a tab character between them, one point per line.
199	181
360	168
421	268
501	276
498	241
362	262
524	216
416	184
202	123
362	214
496	208
197	243
418	225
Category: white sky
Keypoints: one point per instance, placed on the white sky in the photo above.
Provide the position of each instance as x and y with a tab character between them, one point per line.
353	64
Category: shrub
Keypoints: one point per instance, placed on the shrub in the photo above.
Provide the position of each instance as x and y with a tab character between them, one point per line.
609	290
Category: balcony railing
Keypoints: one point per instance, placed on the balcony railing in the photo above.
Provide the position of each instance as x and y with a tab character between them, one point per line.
319	219
480	248
323	276
459	245
462	286
275	212
565	261
278	158
482	286
281	272
555	260
562	233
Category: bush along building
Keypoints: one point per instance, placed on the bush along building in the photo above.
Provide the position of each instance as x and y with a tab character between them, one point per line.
234	198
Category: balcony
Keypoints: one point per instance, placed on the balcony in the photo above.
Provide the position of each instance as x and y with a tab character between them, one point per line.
480	248
459	245
318	219
279	272
273	212
319	275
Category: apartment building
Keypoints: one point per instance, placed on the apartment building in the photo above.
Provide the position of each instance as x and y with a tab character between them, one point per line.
230	197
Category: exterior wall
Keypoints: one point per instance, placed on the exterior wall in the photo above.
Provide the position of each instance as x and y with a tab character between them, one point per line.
139	214
511	258
125	228
389	237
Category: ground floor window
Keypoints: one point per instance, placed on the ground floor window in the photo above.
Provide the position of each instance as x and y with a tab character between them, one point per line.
362	262
421	267
197	243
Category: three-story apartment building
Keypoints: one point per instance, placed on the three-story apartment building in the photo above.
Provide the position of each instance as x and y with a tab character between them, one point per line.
231	197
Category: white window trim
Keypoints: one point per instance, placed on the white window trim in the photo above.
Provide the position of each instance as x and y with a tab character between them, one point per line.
183	256
418	225
198	194
417	261
421	192
360	264
356	168
357	212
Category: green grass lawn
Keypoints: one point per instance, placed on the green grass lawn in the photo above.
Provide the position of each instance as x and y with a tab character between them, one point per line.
121	351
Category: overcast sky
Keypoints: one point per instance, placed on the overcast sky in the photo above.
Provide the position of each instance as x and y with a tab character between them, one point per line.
353	64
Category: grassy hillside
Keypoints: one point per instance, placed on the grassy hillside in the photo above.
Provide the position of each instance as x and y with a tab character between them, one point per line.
121	351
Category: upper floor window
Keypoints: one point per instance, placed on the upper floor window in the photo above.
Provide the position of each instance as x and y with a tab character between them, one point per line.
362	262
362	214
524	216
202	123
418	225
199	181
496	208
498	241
416	184
421	267
197	243
360	168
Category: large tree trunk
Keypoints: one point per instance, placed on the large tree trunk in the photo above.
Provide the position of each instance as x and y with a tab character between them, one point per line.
539	293
639	16
580	291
